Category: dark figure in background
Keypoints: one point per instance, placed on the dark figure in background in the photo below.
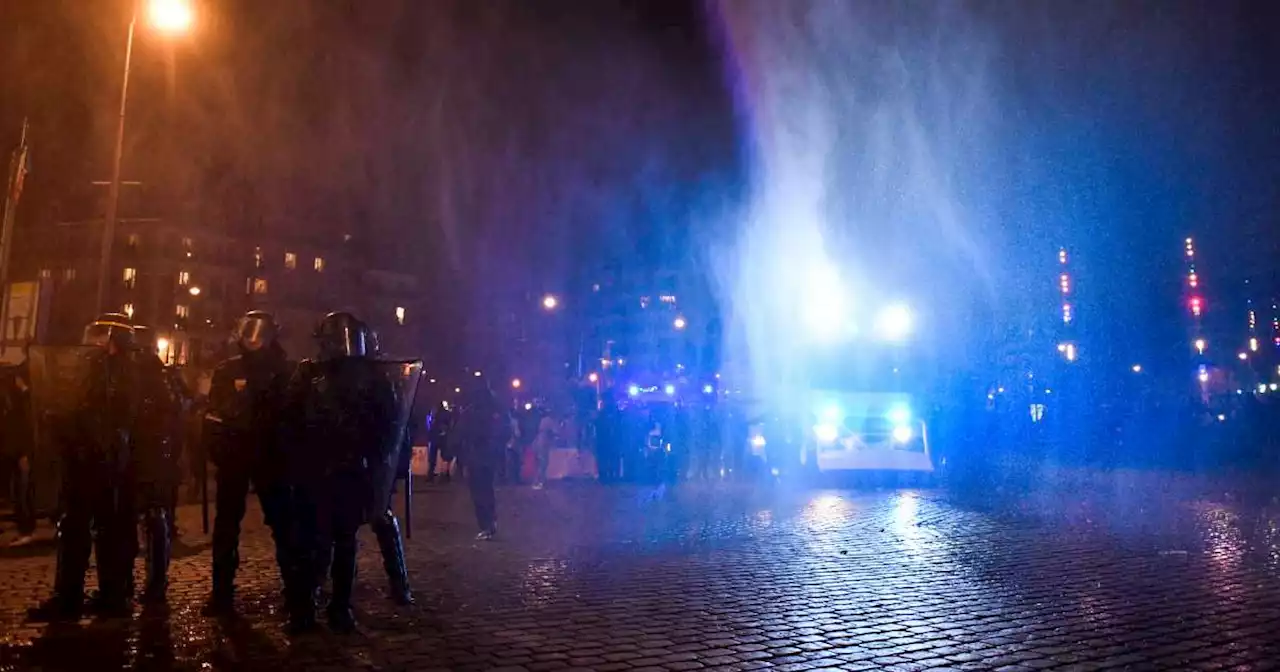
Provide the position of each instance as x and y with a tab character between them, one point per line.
343	411
16	442
97	488
439	446
609	438
485	429
527	423
157	444
386	527
241	437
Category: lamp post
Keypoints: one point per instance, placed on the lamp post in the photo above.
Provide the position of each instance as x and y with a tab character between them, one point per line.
167	16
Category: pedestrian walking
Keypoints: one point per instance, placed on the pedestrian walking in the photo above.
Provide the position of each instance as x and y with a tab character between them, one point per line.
543	442
486	431
439	447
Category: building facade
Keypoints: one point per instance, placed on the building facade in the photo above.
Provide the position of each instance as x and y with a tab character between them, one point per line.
191	283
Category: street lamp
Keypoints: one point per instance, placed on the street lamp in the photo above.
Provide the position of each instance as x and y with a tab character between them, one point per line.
1200	345
550	302
170	17
679	323
515	383
593	377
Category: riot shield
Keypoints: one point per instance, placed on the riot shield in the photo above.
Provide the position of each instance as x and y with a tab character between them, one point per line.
59	382
400	380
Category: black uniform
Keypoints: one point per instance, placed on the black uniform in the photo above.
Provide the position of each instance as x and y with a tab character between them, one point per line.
242	439
157	441
485	430
438	436
343	420
98	488
386	529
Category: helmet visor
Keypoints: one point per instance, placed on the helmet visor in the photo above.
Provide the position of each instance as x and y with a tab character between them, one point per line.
255	332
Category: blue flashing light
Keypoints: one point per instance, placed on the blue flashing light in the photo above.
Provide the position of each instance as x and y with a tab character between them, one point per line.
633	391
670	390
899	415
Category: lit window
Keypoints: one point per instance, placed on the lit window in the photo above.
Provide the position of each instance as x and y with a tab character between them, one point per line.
127	310
319	264
290	260
257	257
259	285
130	276
134	239
46	273
399	314
182	311
184	278
69	274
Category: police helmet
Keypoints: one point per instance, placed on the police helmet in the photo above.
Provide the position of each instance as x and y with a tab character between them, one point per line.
109	328
340	335
256	330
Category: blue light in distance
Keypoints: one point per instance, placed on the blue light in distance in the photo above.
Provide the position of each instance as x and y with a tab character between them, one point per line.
670	390
633	390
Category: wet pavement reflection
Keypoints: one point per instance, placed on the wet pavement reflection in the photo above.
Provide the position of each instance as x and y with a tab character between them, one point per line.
1083	570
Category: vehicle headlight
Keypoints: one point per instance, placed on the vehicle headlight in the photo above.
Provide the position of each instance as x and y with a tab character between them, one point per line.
902	434
826	433
894	323
899	415
758	441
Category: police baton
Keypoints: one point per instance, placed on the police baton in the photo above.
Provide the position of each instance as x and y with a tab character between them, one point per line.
408	504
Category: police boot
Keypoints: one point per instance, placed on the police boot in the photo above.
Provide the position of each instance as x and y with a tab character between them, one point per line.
341	617
391	544
158	553
222	597
115	552
67	601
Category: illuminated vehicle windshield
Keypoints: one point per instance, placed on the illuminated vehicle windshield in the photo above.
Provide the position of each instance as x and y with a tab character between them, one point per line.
859	370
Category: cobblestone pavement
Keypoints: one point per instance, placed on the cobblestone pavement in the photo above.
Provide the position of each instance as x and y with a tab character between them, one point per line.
1111	571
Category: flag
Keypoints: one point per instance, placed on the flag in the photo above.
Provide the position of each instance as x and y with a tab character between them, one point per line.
19	166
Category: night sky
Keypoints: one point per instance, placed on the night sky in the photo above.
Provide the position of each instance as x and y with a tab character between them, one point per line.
519	146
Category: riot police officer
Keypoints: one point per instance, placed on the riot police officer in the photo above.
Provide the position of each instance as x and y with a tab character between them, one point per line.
97	510
157	445
242	439
386	527
345	430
